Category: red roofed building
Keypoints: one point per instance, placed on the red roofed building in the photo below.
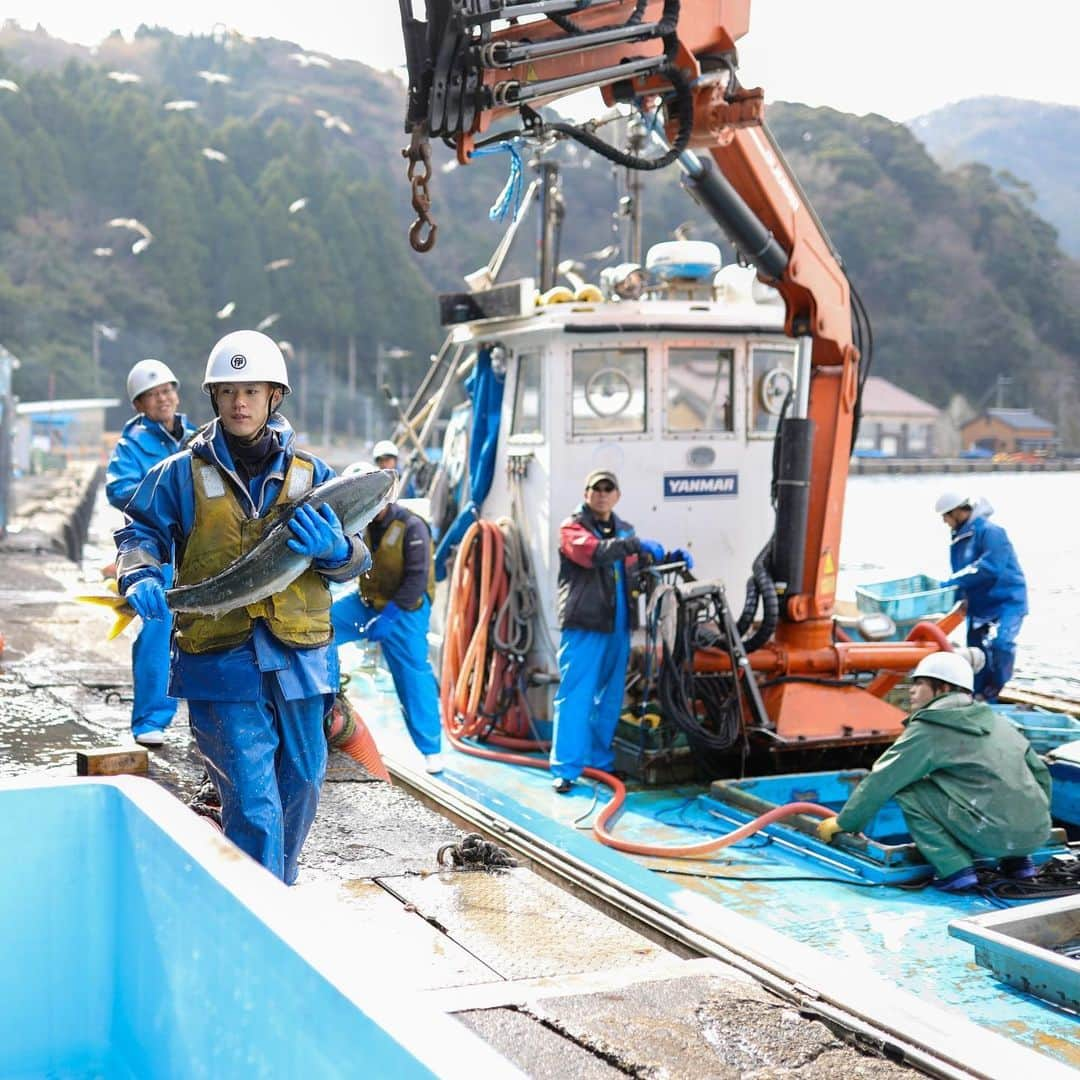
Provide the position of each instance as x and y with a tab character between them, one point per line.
894	422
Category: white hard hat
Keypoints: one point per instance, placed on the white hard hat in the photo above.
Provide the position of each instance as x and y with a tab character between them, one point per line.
147	374
246	356
951	500
946	667
384	448
360	468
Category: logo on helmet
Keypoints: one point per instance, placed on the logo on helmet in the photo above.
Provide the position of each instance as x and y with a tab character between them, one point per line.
238	361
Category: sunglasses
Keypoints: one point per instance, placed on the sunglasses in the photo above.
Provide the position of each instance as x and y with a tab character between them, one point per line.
604	489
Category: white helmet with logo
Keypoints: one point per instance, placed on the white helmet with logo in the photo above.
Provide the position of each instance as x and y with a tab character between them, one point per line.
146	375
384	448
946	667
246	356
951	500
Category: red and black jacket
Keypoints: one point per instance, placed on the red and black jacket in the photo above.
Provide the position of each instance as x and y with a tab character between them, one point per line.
587	571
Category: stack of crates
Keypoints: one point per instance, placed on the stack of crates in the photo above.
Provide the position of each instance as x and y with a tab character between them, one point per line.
908	600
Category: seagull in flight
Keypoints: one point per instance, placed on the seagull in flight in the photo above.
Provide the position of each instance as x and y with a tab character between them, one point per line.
180	106
141	245
333	122
215	76
278	264
103	252
227	310
297	205
268	321
131	223
124	77
7	84
211	154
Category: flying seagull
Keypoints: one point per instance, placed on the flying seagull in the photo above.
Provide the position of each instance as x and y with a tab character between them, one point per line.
268	321
124	77
131	223
277	264
308	59
211	154
297	204
7	84
215	77
180	106
103	252
227	310
141	245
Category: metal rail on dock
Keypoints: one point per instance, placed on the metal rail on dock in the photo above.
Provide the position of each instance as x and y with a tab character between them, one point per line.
933	1051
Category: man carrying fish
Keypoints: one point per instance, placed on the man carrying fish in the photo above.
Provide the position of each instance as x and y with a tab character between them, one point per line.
256	663
156	431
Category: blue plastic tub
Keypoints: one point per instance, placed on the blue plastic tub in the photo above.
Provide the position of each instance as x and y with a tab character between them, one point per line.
1044	730
906	600
138	943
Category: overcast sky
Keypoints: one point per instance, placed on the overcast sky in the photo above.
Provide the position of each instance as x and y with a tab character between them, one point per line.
898	59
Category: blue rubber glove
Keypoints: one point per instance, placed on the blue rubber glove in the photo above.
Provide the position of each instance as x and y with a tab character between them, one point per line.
681	555
318	534
378	629
654	550
147	597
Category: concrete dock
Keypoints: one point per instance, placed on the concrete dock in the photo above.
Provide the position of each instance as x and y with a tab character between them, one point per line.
557	987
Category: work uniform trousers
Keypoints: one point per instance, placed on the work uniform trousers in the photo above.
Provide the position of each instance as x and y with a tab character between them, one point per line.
268	760
405	650
948	838
592	682
997	639
152	708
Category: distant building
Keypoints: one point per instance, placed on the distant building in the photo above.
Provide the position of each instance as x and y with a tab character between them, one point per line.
50	433
894	422
1010	431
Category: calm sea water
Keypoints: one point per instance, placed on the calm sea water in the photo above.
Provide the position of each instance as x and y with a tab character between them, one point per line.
891	531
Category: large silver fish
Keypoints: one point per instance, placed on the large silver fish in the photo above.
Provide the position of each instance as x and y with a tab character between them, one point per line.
271	565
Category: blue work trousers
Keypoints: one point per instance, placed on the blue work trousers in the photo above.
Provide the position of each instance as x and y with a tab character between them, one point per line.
152	709
592	682
405	650
267	759
997	639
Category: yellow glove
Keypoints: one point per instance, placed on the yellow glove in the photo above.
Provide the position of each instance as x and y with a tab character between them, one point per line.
827	829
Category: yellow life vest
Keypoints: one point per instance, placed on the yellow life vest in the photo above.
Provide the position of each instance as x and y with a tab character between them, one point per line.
381	583
299	615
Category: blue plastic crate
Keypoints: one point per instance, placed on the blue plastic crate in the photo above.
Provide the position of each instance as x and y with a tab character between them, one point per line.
1044	730
906	600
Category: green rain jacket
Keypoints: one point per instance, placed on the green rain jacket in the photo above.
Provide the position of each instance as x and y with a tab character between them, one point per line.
996	787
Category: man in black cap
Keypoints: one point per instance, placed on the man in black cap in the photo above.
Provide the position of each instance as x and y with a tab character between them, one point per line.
597	553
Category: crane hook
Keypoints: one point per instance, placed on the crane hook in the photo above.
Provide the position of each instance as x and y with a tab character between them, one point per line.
418	153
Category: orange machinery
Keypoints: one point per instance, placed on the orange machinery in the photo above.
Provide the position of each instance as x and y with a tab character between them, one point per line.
470	69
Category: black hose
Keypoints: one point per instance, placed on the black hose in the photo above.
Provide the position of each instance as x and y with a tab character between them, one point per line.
770	615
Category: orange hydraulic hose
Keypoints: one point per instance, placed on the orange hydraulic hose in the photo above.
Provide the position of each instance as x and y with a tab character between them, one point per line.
881	684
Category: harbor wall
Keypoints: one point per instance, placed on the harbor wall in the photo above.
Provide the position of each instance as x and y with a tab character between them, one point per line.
902	466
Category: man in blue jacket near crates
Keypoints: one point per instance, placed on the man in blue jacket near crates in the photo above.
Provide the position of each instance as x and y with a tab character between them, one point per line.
987	574
156	431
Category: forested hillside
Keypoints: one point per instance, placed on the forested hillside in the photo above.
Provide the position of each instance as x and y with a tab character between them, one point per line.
1032	142
272	185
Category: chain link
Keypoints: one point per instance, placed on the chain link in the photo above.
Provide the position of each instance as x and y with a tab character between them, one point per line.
418	153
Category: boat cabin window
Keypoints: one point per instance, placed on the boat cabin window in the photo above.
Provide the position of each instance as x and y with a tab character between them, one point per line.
528	418
609	392
699	391
772	375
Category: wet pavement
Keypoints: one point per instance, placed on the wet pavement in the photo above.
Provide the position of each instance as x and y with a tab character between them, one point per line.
558	988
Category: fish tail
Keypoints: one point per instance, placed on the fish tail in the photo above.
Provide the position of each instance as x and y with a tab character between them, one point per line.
124	611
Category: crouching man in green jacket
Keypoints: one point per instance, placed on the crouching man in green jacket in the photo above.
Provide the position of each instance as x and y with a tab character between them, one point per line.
967	781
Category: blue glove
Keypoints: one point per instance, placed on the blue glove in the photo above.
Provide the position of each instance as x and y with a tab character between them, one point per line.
147	597
318	534
378	629
680	555
654	550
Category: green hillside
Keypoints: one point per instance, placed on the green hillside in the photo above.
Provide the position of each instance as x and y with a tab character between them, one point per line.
1030	141
963	280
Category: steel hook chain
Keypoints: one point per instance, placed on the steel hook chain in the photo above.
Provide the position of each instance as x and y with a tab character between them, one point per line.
418	153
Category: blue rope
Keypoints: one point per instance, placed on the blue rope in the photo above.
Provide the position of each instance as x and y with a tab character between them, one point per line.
510	196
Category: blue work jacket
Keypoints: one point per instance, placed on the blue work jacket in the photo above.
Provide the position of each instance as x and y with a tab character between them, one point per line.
143	443
162	515
987	571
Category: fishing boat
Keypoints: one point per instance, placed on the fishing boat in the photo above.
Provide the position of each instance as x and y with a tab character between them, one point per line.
676	374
